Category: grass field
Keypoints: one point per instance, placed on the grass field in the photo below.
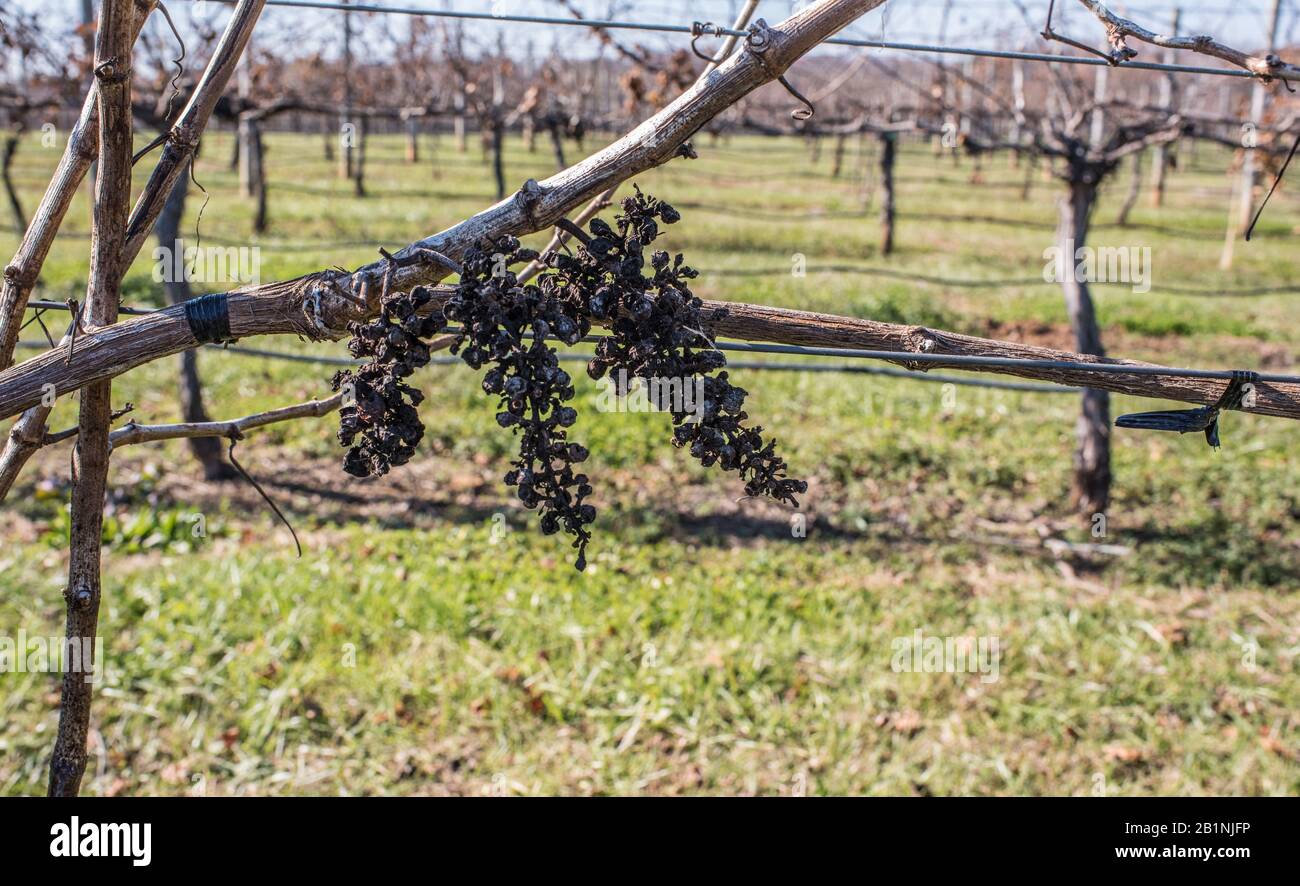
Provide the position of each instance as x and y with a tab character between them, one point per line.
431	640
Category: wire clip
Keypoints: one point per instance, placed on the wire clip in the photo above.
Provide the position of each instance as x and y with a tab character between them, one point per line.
1241	390
700	29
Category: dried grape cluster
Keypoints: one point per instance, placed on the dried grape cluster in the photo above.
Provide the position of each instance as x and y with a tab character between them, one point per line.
382	411
658	331
661	336
496	315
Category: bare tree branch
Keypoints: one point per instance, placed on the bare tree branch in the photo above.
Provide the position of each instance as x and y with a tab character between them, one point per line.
25	437
22	271
183	138
133	432
1119	29
21	274
182	141
113	43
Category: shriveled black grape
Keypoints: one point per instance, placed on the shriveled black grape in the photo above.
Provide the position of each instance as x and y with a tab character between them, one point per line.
380	424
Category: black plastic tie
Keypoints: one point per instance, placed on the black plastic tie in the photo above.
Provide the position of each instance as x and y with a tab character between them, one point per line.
209	318
1204	418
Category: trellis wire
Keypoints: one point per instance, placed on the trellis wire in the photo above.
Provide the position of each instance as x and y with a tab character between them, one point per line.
663	27
571	357
37	304
747	365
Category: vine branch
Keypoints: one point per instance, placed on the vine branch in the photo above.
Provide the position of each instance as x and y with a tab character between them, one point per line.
1120	29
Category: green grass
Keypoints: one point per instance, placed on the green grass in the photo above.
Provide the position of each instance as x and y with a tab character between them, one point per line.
430	640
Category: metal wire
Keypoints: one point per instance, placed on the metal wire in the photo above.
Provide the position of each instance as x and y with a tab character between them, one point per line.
663	27
60	306
572	357
745	365
952	360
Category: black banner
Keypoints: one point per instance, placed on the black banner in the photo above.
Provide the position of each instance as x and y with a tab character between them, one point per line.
240	836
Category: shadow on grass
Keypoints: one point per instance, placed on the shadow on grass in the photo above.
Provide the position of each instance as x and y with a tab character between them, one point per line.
1212	550
1217	549
307	504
